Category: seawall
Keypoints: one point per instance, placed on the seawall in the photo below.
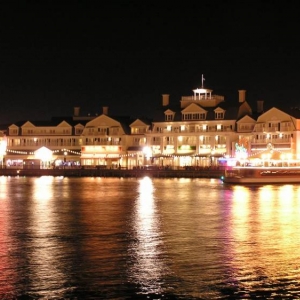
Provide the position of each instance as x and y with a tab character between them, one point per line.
114	173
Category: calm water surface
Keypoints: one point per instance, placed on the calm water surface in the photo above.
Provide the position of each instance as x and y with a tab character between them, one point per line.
113	238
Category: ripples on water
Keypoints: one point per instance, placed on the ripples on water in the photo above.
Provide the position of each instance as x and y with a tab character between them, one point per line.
111	238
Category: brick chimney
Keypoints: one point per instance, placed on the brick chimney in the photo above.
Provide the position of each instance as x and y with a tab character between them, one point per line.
260	106
105	110
165	99
76	111
242	96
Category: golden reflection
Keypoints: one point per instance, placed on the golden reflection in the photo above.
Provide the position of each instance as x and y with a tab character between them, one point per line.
45	249
265	232
7	273
3	187
148	268
241	199
288	216
240	217
266	193
42	189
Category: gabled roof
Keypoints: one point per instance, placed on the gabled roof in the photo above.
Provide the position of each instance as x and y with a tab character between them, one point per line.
246	119
53	122
231	112
193	107
124	121
276	113
139	122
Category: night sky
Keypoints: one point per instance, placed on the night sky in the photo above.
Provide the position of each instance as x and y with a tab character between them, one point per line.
56	55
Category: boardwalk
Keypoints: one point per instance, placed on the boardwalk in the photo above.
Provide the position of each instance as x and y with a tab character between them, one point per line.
207	173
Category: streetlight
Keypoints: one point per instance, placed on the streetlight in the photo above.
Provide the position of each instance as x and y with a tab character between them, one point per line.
65	158
147	153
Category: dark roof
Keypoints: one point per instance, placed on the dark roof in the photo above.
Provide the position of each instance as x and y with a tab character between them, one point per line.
231	112
54	121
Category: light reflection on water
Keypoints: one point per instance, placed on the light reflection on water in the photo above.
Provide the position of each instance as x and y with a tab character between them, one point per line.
44	253
114	238
148	269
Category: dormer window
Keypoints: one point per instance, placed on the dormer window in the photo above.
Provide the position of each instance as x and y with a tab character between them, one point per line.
194	116
169	115
13	131
169	118
219	115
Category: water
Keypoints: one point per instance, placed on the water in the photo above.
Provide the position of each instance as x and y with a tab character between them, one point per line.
112	238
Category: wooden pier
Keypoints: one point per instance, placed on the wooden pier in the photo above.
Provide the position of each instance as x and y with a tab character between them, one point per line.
205	173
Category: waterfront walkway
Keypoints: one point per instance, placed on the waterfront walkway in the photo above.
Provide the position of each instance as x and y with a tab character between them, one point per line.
204	173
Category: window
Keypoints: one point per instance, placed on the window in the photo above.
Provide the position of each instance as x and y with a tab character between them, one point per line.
13	131
102	130
219	115
138	130
194	116
169	117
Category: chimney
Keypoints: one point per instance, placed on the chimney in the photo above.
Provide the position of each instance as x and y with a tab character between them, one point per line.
260	106
165	99
105	110
76	111
242	96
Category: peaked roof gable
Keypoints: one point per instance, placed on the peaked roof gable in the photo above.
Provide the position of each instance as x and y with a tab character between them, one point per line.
138	122
246	119
102	121
13	126
219	109
28	124
274	114
169	111
64	124
193	108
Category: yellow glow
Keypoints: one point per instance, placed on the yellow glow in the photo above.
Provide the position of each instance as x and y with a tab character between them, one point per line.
263	230
44	224
200	91
266	193
147	248
43	154
3	145
147	151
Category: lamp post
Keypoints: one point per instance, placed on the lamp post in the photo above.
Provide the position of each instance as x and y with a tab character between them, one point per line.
147	154
65	158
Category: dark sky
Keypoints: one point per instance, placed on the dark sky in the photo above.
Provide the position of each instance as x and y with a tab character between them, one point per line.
56	55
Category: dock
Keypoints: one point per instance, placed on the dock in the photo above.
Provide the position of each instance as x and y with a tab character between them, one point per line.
134	173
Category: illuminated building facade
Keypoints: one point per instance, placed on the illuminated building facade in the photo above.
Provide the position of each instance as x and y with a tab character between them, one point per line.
56	143
202	130
270	139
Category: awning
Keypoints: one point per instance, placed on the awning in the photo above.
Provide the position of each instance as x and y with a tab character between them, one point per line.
135	149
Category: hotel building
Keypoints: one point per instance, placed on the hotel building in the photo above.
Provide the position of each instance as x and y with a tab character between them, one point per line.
202	130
